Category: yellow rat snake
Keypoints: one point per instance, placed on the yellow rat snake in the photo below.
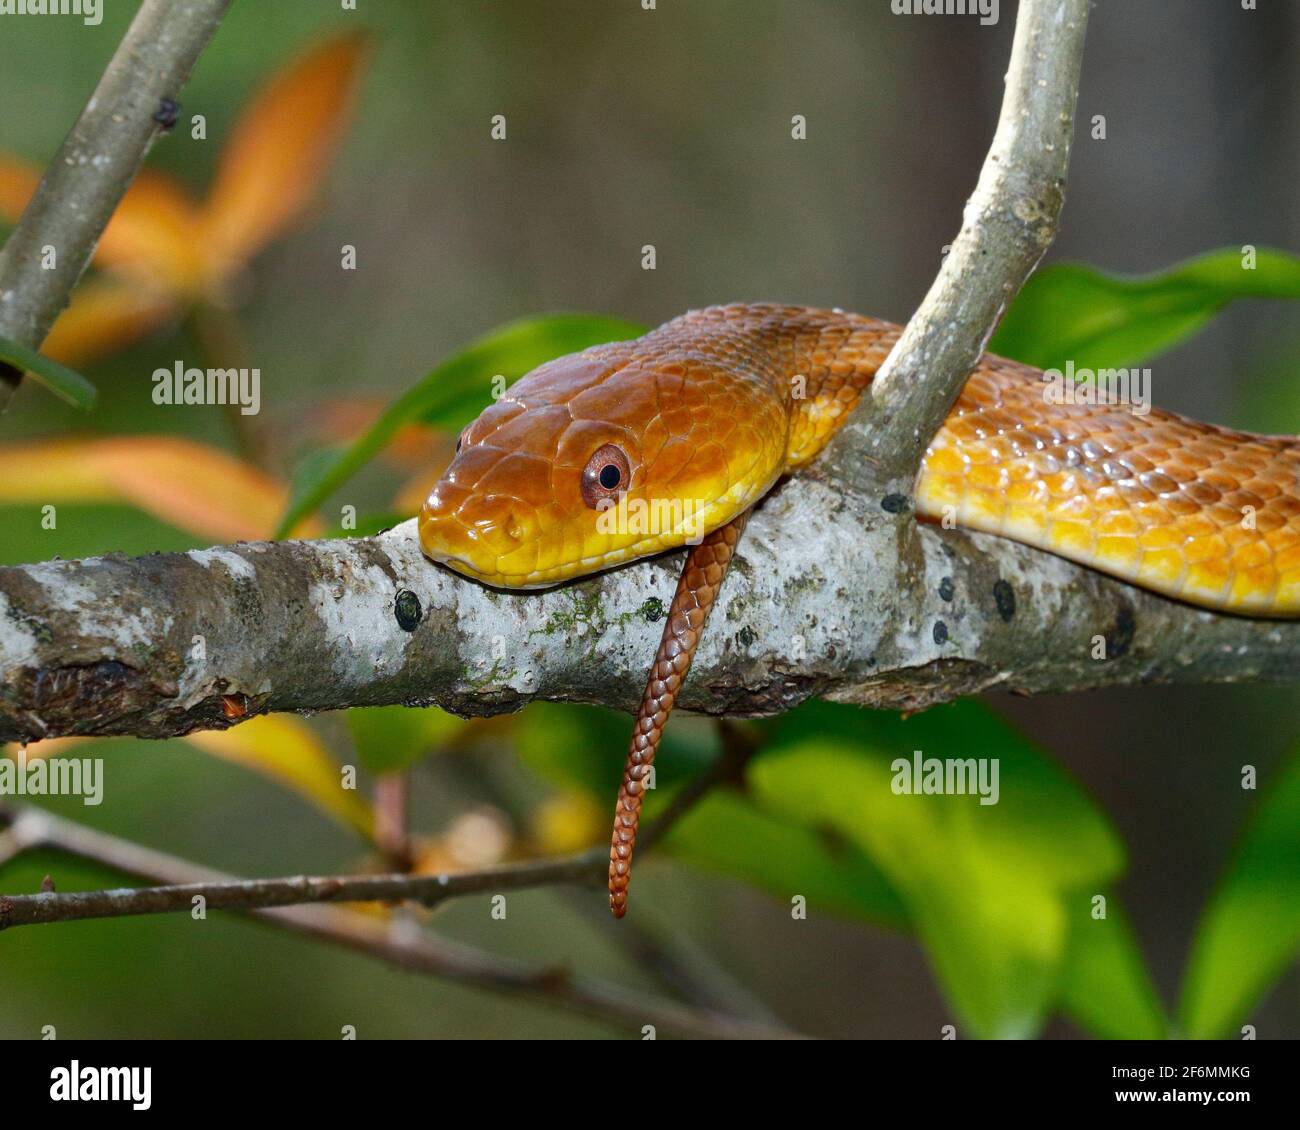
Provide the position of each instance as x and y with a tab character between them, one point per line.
637	447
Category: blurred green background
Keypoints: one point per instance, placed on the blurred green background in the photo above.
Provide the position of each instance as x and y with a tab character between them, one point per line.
672	128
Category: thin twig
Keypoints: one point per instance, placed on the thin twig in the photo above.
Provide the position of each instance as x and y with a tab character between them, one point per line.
392	817
1008	224
293	890
95	166
397	943
296	890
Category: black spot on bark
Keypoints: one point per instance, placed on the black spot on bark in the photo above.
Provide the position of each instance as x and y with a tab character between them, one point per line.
947	590
940	632
746	636
1120	637
652	611
408	610
167	114
1005	597
894	503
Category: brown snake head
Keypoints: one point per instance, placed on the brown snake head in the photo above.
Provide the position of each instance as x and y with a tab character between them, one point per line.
602	457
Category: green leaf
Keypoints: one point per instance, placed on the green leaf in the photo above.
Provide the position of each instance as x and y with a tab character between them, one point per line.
389	738
1000	895
1250	931
454	393
1074	313
584	746
1266	398
726	832
988	888
1105	986
59	379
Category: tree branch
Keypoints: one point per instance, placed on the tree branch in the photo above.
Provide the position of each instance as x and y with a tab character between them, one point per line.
223	893
398	943
95	166
830	595
1008	224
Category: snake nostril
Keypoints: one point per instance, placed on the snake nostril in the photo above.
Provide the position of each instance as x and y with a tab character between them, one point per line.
495	521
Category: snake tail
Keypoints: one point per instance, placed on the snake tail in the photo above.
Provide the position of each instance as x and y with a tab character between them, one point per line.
697	591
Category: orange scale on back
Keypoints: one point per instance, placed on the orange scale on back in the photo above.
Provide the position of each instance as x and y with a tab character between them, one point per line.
1265	489
1270	522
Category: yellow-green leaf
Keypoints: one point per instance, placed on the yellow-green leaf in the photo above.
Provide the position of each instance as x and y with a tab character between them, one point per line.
1070	312
287	750
1250	931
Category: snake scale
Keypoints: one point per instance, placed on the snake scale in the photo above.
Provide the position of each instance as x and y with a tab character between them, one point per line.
637	447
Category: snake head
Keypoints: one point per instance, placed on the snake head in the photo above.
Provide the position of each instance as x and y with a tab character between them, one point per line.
599	458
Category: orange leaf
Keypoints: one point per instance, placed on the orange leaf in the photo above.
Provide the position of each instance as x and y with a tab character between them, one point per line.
155	234
103	317
287	750
51	471
411	494
280	148
18	181
187	484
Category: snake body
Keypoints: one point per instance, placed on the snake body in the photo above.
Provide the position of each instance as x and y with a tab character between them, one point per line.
633	448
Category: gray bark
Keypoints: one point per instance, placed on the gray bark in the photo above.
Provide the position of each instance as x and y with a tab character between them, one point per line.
830	595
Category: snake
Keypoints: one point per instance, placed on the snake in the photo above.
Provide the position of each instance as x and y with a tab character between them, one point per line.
635	448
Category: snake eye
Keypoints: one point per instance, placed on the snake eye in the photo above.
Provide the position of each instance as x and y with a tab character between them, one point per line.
606	475
459	440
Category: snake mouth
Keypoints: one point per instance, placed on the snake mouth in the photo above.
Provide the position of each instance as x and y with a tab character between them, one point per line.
495	542
466	568
476	534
